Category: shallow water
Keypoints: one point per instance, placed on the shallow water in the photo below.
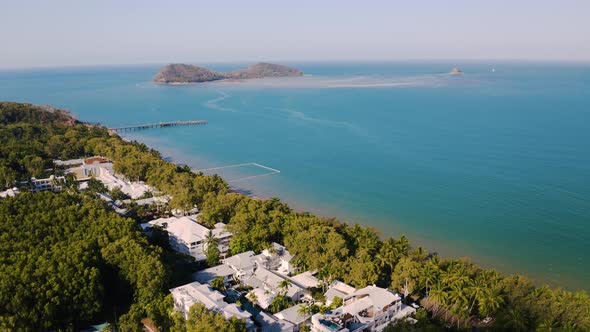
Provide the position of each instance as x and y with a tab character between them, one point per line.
491	165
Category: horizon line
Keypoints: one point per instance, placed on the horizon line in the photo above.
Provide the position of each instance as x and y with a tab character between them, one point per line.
302	61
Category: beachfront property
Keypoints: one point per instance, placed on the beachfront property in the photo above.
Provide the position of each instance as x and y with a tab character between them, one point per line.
368	309
220	271
338	289
266	286
189	237
84	169
10	192
294	316
242	263
270	323
101	168
306	280
187	295
49	184
277	259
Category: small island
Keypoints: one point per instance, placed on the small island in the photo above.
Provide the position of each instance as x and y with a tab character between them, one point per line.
187	74
456	71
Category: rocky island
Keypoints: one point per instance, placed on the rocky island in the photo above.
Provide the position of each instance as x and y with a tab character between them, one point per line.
186	74
456	71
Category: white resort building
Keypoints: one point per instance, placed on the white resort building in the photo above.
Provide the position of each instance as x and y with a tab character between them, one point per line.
187	295
189	237
267	285
293	316
10	192
84	169
49	184
369	309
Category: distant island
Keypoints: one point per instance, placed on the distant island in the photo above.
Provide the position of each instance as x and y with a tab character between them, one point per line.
185	74
456	71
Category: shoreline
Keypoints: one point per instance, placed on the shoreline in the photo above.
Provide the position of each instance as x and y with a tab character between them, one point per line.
441	248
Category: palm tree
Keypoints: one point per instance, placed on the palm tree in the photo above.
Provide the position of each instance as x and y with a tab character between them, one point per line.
515	320
438	294
389	254
304	310
252	297
458	299
477	289
210	240
430	274
403	245
490	302
284	285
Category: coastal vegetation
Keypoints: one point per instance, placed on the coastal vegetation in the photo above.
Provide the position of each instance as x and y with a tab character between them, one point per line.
67	260
179	73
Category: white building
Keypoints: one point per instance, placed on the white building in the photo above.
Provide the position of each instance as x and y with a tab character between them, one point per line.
187	295
101	169
270	323
10	192
306	280
189	237
243	263
223	270
369	309
293	316
267	284
87	168
277	258
51	183
339	289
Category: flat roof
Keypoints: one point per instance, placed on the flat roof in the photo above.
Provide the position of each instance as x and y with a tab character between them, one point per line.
292	315
205	276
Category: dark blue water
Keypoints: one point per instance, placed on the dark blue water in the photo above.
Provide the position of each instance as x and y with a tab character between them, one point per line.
494	165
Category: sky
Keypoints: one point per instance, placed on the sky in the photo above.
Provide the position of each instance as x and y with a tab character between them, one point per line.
91	32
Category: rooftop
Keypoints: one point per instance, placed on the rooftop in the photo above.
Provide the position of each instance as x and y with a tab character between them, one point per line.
263	278
205	276
243	261
292	315
185	228
270	323
195	292
306	279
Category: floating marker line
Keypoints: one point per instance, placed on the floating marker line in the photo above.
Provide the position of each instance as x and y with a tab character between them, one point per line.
272	170
221	167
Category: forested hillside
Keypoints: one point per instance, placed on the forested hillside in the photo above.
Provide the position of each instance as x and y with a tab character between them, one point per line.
67	260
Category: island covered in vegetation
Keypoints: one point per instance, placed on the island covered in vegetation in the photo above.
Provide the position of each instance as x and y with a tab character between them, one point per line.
185	74
68	260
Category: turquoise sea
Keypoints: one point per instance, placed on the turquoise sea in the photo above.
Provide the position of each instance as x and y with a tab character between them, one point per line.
493	164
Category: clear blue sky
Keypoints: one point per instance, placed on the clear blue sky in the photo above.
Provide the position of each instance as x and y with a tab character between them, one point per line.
87	32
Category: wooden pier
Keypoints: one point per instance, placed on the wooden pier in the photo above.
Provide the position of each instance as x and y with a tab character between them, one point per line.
159	125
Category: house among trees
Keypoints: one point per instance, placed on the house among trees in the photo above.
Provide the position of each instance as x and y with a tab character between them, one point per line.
276	258
267	285
51	183
220	271
84	169
338	289
368	309
10	192
242	263
189	237
270	323
187	295
295	315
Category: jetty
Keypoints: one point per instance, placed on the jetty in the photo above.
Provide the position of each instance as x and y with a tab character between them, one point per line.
159	125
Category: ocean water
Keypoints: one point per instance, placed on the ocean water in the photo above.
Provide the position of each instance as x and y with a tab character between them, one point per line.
493	164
